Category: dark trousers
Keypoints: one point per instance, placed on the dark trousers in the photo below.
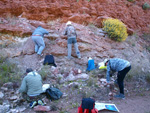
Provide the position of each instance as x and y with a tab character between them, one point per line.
35	98
120	77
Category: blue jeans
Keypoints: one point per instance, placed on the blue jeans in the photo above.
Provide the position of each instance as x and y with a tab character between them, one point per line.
71	41
39	44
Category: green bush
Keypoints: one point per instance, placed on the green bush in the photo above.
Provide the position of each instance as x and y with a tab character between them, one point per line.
146	6
116	29
131	0
147	77
9	71
45	72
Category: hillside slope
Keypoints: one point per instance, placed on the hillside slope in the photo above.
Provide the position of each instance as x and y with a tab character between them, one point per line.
70	76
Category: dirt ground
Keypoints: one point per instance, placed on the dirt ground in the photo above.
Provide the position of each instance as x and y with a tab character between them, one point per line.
131	104
134	104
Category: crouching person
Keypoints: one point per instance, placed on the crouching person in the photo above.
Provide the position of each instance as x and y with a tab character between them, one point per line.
31	88
122	67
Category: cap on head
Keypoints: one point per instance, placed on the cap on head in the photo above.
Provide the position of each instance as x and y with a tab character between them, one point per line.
89	58
68	23
29	70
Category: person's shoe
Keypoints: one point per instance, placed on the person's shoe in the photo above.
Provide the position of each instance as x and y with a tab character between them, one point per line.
40	102
69	58
79	57
121	96
32	104
42	55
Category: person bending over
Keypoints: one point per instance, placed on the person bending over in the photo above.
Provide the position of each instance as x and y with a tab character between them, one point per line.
122	67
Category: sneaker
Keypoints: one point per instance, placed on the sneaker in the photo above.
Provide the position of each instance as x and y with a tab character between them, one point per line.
121	96
32	104
69	58
42	55
40	102
79	57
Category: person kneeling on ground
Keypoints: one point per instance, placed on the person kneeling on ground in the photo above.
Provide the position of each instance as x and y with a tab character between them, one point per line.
31	88
122	67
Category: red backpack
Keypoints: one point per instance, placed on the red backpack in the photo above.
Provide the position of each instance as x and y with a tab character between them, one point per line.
87	106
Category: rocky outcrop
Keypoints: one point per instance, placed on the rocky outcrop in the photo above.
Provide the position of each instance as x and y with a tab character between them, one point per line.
93	42
81	11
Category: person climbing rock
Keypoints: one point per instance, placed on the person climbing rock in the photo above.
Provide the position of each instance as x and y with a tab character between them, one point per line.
37	37
70	31
122	67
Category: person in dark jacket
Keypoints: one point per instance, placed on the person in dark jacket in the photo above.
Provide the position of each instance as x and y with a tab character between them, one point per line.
70	31
122	67
37	37
31	88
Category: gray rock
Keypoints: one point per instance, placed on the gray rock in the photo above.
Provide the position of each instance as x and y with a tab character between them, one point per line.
42	108
1	95
4	108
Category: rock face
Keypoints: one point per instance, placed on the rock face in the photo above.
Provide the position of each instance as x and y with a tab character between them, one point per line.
79	11
92	42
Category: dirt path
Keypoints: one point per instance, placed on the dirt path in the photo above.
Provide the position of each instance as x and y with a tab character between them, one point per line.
137	104
131	104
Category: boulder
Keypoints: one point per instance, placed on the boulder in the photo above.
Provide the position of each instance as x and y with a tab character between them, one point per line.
42	108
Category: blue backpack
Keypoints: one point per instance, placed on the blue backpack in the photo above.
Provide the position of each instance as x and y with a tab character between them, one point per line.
91	65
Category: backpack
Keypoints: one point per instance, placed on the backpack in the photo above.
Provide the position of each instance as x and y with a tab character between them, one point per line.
53	93
49	60
91	65
87	106
71	31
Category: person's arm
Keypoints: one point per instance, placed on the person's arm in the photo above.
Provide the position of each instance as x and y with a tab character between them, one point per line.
39	75
76	32
65	32
108	72
41	79
45	31
23	87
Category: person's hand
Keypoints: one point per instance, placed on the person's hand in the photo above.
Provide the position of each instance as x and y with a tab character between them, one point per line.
108	84
17	91
46	35
63	36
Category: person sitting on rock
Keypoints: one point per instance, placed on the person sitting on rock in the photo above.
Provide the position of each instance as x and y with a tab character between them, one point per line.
37	37
31	88
122	67
70	31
